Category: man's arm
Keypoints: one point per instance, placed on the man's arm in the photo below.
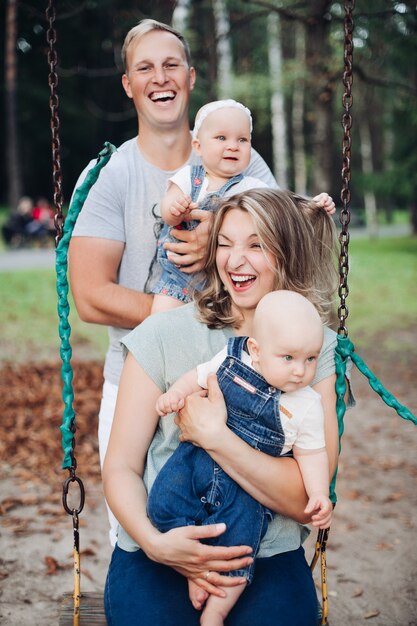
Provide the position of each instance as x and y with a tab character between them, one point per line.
93	268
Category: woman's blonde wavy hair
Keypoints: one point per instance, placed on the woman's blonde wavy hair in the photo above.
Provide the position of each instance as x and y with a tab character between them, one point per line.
299	235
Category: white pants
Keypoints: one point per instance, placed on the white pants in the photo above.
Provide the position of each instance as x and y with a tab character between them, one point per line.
105	420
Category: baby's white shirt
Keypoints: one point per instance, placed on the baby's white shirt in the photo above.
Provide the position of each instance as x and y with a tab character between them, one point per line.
182	179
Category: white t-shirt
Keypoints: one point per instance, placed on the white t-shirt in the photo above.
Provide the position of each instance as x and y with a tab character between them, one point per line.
301	411
183	180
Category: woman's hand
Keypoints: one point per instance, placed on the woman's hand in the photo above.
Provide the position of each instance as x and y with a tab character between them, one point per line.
181	549
190	250
203	418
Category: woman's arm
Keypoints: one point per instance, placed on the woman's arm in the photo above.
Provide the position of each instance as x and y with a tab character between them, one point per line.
275	482
132	432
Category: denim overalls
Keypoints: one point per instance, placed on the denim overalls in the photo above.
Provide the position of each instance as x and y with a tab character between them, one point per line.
173	282
191	489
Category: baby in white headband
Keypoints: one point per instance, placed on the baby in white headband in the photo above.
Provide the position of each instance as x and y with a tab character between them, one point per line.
222	138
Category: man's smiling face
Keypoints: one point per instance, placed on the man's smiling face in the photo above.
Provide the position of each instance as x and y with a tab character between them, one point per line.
158	79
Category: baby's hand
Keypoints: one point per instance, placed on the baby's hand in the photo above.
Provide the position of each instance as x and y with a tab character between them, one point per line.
324	509
324	201
197	595
182	205
169	402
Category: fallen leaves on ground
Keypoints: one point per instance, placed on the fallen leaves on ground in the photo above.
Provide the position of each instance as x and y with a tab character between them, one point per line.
31	414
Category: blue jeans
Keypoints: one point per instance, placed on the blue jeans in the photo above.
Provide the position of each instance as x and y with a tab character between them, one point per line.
191	489
140	592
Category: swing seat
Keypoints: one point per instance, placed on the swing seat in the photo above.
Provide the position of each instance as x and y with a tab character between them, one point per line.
91	610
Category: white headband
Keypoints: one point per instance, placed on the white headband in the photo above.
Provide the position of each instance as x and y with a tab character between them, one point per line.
214	106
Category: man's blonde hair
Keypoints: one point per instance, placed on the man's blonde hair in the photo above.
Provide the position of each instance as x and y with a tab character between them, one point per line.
147	26
302	239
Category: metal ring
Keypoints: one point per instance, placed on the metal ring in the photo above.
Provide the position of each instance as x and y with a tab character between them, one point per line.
207	575
65	487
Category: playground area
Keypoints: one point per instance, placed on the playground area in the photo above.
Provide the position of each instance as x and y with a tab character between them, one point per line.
372	558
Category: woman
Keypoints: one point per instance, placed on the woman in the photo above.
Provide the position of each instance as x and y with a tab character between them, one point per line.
261	240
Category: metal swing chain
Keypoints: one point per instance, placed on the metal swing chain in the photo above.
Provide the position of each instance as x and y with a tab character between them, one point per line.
343	312
53	104
59	225
58	199
344	217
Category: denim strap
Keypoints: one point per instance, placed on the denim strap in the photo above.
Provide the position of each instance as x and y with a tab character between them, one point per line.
235	346
197	176
232	181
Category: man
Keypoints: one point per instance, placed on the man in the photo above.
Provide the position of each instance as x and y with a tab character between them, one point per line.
113	242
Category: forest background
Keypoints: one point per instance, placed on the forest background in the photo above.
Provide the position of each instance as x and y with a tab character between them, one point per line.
283	59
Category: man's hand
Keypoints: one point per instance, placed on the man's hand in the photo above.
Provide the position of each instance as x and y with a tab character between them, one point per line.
190	253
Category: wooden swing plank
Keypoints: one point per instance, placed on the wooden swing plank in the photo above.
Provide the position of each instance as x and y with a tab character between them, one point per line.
91	610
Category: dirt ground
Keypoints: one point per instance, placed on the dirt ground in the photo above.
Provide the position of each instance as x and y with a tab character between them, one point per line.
372	554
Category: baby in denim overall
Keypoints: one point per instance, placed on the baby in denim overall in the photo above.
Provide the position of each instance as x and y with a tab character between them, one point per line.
265	382
222	137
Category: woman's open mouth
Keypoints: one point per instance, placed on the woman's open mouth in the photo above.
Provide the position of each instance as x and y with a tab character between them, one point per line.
242	281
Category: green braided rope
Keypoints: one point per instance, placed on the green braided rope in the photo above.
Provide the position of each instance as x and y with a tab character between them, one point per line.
347	348
61	264
344	350
340	388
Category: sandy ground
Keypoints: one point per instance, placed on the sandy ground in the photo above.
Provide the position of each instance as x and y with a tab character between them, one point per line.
372	553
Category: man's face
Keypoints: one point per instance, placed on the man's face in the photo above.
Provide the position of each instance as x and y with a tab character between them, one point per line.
159	80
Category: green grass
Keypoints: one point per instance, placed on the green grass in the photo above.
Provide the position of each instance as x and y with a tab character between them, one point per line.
382	288
382	299
399	216
29	320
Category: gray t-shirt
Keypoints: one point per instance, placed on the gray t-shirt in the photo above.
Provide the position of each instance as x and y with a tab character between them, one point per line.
166	346
120	206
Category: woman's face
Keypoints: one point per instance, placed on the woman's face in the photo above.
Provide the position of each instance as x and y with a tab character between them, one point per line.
245	270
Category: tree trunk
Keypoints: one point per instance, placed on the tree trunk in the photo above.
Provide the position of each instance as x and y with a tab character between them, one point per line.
224	50
180	15
321	90
279	134
14	180
368	170
297	117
